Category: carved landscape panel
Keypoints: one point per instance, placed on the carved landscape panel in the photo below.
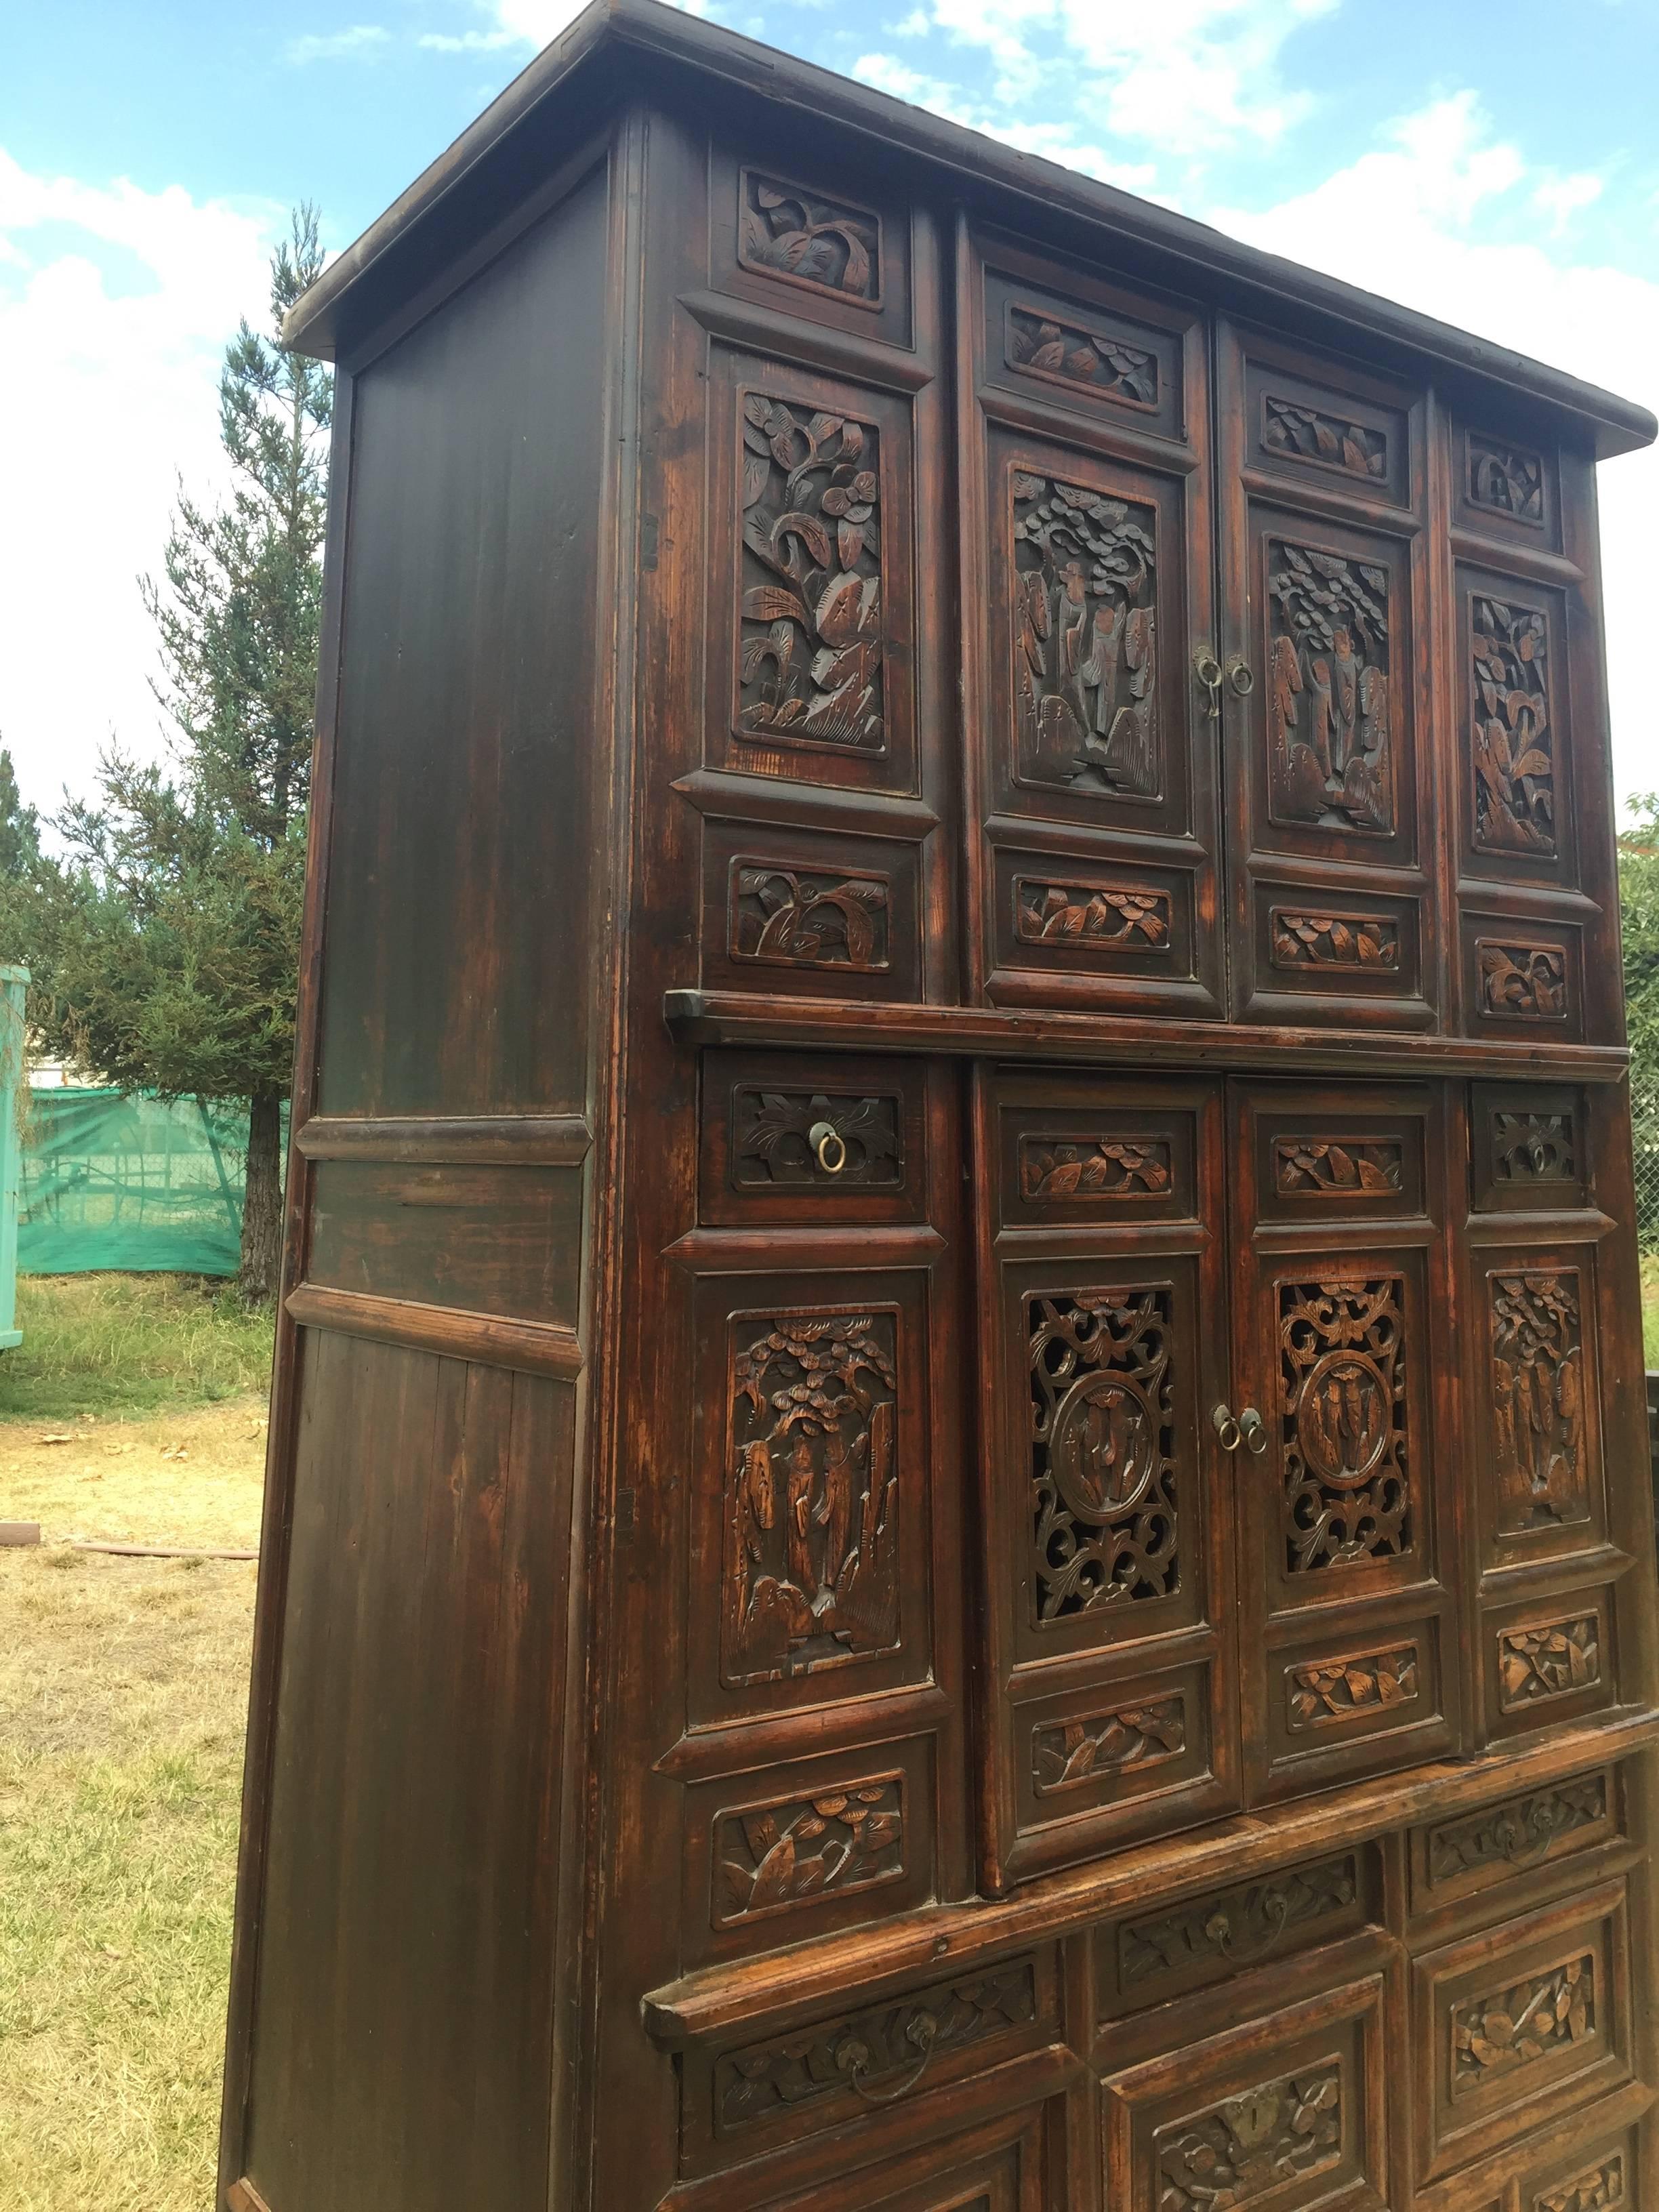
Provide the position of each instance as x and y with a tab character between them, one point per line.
1516	796
1538	1414
1333	680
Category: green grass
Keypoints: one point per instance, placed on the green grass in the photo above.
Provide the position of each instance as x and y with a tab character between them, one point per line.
131	1344
1651	1310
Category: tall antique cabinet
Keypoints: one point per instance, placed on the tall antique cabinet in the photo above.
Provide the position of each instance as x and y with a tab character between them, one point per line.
956	1511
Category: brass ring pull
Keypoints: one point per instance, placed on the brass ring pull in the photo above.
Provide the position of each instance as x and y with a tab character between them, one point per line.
853	2059
1225	1427
1254	1430
1241	676
1207	669
829	1146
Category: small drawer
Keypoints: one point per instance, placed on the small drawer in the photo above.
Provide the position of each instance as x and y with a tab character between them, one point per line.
809	913
791	1140
1508	1842
1530	1148
1548	1660
1074	1150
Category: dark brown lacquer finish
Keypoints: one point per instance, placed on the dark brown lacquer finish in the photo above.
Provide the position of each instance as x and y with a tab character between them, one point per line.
956	1515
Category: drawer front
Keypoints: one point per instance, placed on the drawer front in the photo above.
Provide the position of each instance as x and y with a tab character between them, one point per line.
1506	1842
788	1139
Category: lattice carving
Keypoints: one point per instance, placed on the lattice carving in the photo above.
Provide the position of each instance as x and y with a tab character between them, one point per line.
1065	1755
1522	2021
810	661
769	1857
1529	1147
1368	943
1085	639
794	918
1331	737
1053	1167
1126	914
1237	1926
1597	2189
1555	1659
1343	1400
1368	1167
1250	2146
1507	479
1522	979
1329	440
1103	1450
1319	1695
772	1146
829	244
1066	352
811	1555
1518	1833
1512	745
1538	1398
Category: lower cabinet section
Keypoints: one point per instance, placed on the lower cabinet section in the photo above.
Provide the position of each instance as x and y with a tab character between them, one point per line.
1000	2168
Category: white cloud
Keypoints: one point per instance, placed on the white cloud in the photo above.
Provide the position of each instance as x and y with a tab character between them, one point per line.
361	41
117	384
1404	220
534	22
915	25
1563	198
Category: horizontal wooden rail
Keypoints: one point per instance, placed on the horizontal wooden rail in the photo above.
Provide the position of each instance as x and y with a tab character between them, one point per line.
504	1140
491	1340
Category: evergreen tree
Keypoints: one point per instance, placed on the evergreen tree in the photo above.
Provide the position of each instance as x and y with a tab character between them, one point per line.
20	829
1638	906
172	930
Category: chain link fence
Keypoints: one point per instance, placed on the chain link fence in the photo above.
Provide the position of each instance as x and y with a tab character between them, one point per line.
1644	1131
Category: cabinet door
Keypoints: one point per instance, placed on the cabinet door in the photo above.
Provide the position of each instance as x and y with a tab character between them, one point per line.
1348	1471
1330	835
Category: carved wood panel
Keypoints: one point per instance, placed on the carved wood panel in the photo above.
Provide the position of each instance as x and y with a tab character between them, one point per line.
786	1138
1333	754
1250	2145
810	912
832	246
1549	1660
1076	1151
1599	2187
1072	1753
1056	338
1506	489
1350	436
1075	930
1522	978
1343	1411
803	238
772	1858
1459	1857
1310	955
1538	1385
1516	763
1504	478
1148	1959
1529	1147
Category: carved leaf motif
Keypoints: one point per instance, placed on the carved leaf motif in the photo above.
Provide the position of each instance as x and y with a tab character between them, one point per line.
1521	1831
1598	2189
1523	980
1537	1398
825	243
1074	355
1066	1753
1310	435
1343	1421
1507	479
797	919
1373	1167
772	1142
1250	2145
1363	942
1554	1660
1512	2026
1510	742
1529	1147
1331	759
1127	914
1060	1167
1321	1694
797	1850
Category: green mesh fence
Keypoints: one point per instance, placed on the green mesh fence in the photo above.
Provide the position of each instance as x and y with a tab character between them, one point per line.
113	1180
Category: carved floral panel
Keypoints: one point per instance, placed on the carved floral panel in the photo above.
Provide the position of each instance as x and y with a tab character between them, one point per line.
1052	1168
1512	745
793	918
1239	1925
812	1524
1554	1659
1518	1833
1367	944
1103	1450
1521	2022
1065	1755
810	667
1597	2189
1343	1422
772	1147
1528	1147
1310	434
1249	2147
1319	1695
829	244
1505	479
1331	739
1130	917
769	1857
1085	639
1538	1398
1321	1168
1523	980
1041	345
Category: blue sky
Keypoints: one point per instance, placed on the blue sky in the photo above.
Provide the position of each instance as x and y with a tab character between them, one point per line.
1493	162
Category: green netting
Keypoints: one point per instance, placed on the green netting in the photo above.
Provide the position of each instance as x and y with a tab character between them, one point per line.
113	1180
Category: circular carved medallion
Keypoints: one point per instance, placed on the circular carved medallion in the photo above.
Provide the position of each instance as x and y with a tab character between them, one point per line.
1344	1419
1102	1447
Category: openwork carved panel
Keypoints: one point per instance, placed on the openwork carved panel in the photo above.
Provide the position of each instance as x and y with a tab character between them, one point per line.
1130	916
1330	714
811	1547
1343	1420
1506	480
1555	1659
1367	944
1597	2189
773	1146
1043	345
1249	2147
1065	1755
1322	1693
1317	1168
1512	745
1538	1398
1239	1925
771	1857
793	919
1518	1833
1085	639
831	245
1310	434
1103	1450
875	2048
1053	1167
1521	2022
1527	1148
810	669
1522	979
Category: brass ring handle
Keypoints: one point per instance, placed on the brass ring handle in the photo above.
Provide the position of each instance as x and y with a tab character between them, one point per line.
829	1146
853	2059
1207	669
1226	1428
1241	676
1219	1929
1254	1430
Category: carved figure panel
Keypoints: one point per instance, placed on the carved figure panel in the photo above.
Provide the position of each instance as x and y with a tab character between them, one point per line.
1538	1398
769	1857
1519	1833
1343	1422
1239	1925
810	669
1132	917
1085	639
1521	2022
1529	1148
1511	742
1103	1450
1043	345
1308	434
1368	944
1056	1167
831	245
773	1148
1065	1755
793	919
1319	1695
1332	745
811	1564
1249	2147
875	2049
1505	479
1522	979
1362	1168
1552	1659
1597	2189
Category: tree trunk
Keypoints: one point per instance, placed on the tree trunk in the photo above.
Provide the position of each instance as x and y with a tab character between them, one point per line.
262	1201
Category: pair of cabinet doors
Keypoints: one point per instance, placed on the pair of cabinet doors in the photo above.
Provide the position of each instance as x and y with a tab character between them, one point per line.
1220	1348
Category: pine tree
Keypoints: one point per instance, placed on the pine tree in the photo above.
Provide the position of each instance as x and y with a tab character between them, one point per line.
174	924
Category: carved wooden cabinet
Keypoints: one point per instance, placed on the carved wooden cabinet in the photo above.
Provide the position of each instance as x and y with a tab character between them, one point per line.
957	1517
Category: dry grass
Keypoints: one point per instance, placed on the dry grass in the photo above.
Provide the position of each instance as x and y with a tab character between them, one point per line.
1651	1310
123	1697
